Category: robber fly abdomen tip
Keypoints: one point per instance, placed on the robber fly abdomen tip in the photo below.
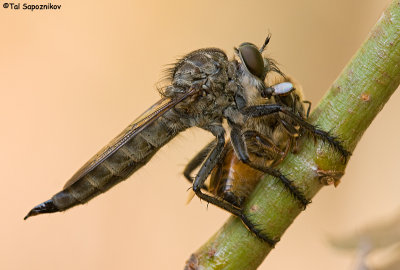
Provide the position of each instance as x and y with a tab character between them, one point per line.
45	207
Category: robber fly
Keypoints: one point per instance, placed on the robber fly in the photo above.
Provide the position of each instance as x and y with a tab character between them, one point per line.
269	139
205	89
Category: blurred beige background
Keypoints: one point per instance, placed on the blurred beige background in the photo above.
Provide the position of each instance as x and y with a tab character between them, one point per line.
70	80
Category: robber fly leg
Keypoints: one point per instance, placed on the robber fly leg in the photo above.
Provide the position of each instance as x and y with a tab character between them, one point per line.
205	170
224	204
241	150
261	110
196	161
210	162
259	233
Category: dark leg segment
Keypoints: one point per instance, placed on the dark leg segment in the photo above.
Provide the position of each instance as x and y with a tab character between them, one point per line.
205	170
259	233
197	160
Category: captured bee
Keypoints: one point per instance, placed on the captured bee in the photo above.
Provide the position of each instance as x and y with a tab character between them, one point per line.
205	88
269	139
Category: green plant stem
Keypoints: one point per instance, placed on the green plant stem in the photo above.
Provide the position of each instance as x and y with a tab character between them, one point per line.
347	109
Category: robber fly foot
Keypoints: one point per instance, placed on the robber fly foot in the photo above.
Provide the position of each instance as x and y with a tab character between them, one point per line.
285	181
253	228
293	189
334	142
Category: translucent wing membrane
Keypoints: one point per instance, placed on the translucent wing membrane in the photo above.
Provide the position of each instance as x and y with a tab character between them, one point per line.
151	114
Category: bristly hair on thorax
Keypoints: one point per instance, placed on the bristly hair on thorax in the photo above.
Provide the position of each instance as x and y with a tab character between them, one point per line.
170	69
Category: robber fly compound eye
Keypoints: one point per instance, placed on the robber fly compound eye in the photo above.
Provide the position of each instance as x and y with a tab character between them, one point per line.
252	59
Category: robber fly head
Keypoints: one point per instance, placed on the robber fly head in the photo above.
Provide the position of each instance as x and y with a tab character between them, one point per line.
256	67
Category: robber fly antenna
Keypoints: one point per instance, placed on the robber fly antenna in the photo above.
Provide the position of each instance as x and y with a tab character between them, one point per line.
265	43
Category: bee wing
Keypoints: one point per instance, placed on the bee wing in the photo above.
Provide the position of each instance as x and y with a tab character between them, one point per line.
151	114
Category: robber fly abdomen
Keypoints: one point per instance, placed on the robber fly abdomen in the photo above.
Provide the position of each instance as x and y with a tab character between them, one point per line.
131	156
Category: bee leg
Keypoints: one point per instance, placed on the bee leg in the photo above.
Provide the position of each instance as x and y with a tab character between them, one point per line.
266	148
294	133
196	162
290	129
241	150
261	145
261	110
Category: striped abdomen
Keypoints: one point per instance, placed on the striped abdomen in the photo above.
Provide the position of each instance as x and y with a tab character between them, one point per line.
118	166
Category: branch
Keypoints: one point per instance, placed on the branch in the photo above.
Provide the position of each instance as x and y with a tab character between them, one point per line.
347	109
